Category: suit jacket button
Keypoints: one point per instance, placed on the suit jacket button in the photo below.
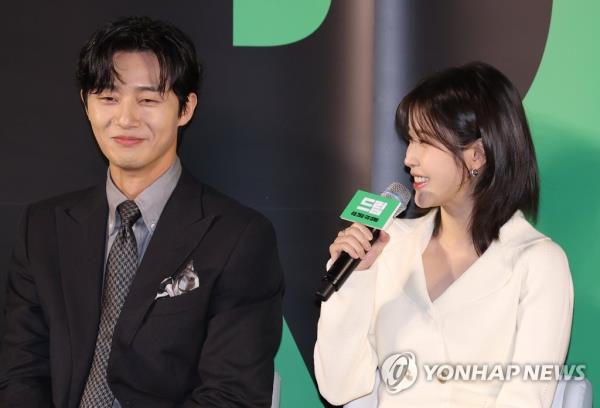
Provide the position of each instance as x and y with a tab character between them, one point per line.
442	375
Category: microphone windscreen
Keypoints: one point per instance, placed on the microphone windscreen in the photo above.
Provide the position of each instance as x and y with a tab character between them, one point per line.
399	192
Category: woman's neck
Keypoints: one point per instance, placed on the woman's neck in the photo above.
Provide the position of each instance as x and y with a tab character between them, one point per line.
455	231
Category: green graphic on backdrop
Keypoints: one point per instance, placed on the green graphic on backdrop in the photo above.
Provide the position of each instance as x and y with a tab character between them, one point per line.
297	387
563	106
264	23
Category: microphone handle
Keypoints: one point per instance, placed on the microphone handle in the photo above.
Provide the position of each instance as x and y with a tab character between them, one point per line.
339	272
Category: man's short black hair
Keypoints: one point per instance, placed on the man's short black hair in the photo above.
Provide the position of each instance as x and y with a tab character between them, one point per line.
175	51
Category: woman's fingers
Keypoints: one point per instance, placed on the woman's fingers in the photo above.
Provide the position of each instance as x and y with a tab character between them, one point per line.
354	240
361	234
349	244
366	232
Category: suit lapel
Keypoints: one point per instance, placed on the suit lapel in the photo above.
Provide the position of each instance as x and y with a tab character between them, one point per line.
81	230
180	228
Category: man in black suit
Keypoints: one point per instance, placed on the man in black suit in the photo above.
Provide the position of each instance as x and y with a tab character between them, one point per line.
89	323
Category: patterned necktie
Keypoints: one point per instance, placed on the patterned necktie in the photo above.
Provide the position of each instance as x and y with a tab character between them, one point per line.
120	270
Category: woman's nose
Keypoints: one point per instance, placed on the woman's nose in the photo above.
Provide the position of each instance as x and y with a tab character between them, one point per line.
410	159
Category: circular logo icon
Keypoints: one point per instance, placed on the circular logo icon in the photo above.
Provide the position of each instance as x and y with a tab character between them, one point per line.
399	371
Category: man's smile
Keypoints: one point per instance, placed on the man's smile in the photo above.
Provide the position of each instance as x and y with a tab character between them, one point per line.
128	140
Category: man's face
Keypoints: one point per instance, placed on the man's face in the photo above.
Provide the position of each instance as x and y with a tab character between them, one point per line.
134	124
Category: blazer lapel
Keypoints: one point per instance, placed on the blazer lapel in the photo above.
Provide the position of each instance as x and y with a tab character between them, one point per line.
489	272
180	228
81	230
486	275
403	263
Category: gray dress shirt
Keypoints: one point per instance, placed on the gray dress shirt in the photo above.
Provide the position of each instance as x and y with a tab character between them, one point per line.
151	202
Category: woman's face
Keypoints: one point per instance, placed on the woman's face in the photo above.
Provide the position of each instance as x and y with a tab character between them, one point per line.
437	177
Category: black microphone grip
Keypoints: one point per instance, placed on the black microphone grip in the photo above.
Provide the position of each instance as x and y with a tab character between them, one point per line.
339	271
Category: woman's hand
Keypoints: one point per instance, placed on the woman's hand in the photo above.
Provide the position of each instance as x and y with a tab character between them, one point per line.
354	240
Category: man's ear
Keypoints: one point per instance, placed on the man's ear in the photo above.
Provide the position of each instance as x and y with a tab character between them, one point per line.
190	106
83	101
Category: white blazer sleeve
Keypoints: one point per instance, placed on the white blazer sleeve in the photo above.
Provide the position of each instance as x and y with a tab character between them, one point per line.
543	323
344	355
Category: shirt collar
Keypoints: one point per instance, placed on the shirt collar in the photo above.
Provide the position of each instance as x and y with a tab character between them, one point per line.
151	201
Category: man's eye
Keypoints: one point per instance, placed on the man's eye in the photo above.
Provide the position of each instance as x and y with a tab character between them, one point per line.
108	98
149	100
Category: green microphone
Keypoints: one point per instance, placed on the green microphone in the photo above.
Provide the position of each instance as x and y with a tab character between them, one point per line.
375	212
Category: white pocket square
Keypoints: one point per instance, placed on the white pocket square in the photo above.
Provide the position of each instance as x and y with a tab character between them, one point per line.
183	282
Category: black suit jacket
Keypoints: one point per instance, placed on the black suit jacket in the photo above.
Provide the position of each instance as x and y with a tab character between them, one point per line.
212	347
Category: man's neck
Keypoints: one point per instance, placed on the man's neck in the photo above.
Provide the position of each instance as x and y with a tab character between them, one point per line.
131	182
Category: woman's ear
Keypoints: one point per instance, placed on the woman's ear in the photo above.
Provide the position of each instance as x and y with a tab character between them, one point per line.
475	155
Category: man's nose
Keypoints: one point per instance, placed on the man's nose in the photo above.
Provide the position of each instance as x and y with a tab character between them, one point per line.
128	114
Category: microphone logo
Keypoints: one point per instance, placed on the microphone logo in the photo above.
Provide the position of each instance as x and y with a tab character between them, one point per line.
371	206
399	371
374	210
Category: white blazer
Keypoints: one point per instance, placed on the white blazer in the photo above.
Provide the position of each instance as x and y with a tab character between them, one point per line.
512	306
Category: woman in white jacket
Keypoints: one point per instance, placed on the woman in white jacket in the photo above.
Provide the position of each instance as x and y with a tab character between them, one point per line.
468	305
